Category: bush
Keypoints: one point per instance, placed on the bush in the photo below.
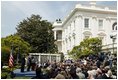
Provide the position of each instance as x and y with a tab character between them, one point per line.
5	51
4	75
86	47
10	74
17	66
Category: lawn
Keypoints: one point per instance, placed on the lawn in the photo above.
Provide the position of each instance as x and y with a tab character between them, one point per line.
22	77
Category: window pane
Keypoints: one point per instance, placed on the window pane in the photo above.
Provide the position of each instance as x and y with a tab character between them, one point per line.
86	23
100	24
86	36
114	26
101	38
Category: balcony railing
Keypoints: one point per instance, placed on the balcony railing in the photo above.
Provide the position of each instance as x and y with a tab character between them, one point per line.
109	46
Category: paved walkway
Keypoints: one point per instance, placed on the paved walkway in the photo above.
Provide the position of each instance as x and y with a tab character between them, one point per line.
25	73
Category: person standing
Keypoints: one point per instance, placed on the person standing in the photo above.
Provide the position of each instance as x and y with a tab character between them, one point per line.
110	59
23	64
28	63
33	63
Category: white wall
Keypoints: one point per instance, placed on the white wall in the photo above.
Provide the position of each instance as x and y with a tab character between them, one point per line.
78	17
69	28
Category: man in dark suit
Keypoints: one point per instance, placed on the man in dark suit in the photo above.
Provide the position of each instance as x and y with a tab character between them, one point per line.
98	63
22	64
28	63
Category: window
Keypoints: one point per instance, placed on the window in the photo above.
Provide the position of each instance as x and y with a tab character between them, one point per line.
74	41
59	35
70	27
100	24
74	25
86	36
114	26
101	38
86	23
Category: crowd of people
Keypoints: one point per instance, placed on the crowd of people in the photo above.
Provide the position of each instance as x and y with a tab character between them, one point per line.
99	66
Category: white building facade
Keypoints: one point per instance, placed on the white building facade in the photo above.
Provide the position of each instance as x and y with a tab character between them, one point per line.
85	22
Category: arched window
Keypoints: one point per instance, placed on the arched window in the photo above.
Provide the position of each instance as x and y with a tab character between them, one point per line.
87	34
114	26
101	36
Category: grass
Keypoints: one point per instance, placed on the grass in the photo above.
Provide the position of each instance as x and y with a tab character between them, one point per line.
23	77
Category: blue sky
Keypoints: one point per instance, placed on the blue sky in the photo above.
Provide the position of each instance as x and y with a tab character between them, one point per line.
12	12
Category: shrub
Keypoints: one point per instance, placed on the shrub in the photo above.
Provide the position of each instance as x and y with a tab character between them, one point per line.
5	51
7	70
86	47
4	75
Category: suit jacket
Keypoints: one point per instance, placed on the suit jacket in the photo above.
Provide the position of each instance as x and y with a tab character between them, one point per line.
104	76
23	61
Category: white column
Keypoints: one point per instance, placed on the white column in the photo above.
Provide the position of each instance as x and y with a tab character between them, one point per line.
75	27
67	44
55	34
71	42
94	30
57	58
74	24
50	58
70	30
78	29
65	47
39	58
72	27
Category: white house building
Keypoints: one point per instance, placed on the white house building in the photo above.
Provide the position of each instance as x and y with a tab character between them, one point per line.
86	21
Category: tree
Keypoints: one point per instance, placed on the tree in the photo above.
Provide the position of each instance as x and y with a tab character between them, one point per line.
18	44
5	51
86	47
38	33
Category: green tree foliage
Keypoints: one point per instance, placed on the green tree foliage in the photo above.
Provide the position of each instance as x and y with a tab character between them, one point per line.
5	51
38	33
86	47
18	44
